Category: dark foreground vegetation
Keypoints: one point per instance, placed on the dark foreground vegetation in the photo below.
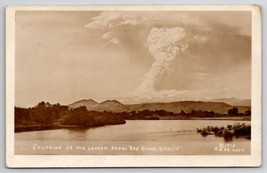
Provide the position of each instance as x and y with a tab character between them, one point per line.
237	130
46	116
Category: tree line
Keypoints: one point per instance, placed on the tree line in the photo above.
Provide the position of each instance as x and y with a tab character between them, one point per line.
55	115
49	115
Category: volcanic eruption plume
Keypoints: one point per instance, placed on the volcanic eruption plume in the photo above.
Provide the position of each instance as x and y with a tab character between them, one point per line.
165	45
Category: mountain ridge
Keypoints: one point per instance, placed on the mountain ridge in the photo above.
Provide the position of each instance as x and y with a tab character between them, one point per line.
176	107
234	101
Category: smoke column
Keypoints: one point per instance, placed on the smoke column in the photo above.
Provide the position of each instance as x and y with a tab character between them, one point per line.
165	45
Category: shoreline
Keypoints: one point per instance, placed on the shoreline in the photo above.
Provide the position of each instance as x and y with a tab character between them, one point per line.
40	128
227	119
29	129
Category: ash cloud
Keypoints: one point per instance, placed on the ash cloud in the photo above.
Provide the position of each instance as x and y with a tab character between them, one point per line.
165	45
195	48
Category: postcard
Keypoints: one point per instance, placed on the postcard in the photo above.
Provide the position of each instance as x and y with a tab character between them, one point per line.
133	86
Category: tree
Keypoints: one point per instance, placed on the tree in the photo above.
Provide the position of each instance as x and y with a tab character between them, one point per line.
233	111
182	112
248	112
41	104
193	112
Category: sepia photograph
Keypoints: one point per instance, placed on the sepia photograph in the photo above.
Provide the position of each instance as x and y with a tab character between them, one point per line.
173	84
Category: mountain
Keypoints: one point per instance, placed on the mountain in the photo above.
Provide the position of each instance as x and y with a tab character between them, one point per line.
187	106
234	101
89	104
110	105
176	107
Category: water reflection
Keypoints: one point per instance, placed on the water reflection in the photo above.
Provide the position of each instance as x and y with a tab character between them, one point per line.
140	130
140	133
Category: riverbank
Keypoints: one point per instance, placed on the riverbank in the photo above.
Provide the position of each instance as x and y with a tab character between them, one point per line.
39	127
234	118
55	127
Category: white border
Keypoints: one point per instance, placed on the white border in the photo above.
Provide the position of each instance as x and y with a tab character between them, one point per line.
252	160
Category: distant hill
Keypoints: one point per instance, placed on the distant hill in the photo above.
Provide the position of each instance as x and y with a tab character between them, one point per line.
187	106
234	101
176	107
110	105
89	104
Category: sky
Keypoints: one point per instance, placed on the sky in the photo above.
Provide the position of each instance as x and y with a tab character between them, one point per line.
63	56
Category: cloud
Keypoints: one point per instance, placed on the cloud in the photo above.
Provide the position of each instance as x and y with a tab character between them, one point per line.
129	21
165	45
201	38
165	42
107	20
109	37
168	37
114	41
111	21
103	20
201	24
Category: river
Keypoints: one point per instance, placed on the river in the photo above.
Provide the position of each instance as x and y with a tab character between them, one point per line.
136	137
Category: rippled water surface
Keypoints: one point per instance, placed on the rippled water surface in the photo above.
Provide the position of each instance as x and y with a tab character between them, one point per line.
159	137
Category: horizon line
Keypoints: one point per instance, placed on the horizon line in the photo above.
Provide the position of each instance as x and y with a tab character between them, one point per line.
144	102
